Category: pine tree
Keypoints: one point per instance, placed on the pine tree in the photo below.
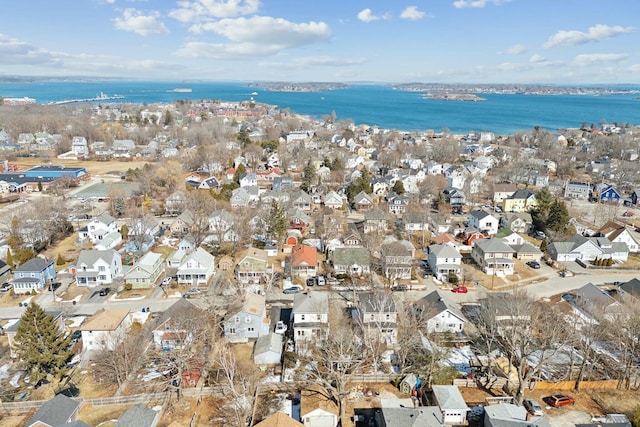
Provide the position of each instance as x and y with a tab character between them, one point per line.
398	188
124	232
309	177
40	345
120	206
277	222
60	260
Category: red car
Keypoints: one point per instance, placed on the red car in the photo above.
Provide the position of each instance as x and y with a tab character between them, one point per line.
558	400
460	290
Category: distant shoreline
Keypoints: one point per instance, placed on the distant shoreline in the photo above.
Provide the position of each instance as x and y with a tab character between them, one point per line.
467	97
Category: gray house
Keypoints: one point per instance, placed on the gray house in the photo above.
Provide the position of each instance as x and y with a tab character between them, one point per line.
247	319
139	416
55	412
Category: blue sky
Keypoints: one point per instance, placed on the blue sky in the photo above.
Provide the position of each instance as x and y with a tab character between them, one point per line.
451	41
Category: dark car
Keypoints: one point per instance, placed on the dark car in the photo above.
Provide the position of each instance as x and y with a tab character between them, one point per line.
534	264
104	291
75	336
558	400
400	288
54	286
6	287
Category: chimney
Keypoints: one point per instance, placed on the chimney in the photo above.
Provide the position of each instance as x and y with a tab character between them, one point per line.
528	417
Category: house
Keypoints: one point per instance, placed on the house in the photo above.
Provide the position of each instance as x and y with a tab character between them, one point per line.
221	223
246	319
33	275
105	329
304	261
279	419
244	196
123	148
196	269
583	248
606	193
79	146
183	224
301	201
147	226
577	190
58	411
451	403
248	179
597	302
174	203
268	349
438	314
362	202
139	416
519	222
445	261
174	331
252	266
375	221
618	233
630	288
145	273
351	260
396	204
483	222
415	221
376	316
5	271
454	196
298	220
520	201
101	227
97	267
493	256
397	260
310	319
333	200
510	415
525	251
210	183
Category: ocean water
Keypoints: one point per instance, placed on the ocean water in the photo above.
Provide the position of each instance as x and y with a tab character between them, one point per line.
378	105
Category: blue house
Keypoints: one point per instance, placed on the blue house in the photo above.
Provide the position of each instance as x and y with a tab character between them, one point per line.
34	274
607	193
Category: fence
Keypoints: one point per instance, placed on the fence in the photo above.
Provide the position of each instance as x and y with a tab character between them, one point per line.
570	385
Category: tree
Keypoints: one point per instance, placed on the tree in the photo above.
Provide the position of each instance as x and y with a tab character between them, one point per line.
398	187
239	382
119	205
526	332
201	205
10	259
309	177
124	232
240	170
276	223
362	183
41	346
118	357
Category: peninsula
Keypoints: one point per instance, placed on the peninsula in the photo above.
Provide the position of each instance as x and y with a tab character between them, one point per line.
454	97
298	87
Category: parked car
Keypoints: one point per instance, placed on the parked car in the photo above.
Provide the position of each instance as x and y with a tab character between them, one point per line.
558	400
540	234
460	290
167	281
321	281
533	407
534	264
105	291
281	327
311	281
399	288
75	336
192	293
292	290
628	213
6	287
498	209
54	286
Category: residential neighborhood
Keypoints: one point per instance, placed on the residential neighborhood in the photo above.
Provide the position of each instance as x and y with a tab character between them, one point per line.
244	266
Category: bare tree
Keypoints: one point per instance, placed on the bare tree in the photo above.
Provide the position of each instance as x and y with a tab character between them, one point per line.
624	327
201	205
528	333
118	358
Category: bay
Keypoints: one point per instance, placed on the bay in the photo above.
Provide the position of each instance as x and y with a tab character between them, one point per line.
375	105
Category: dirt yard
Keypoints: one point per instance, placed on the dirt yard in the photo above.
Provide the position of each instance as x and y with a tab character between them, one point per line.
93	167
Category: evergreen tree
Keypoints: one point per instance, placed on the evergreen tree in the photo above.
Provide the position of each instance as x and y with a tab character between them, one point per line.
363	183
124	232
60	260
309	178
40	345
120	206
276	223
398	188
241	169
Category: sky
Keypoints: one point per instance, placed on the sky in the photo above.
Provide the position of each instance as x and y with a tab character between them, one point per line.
390	41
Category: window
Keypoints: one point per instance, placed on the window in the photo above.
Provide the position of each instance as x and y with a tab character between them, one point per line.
250	329
302	317
101	268
232	330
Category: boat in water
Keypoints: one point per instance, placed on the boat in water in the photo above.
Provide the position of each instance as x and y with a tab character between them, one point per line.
182	90
254	93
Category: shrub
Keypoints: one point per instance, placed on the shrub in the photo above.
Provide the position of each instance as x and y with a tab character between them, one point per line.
128	286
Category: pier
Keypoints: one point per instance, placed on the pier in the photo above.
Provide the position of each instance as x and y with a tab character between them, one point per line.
101	97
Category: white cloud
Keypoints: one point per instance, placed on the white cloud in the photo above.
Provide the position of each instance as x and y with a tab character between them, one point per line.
412	13
516	49
366	15
574	37
635	68
535	58
205	10
134	21
597	58
256	36
13	51
462	4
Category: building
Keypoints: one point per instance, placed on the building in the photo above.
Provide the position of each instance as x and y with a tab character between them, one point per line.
376	316
577	190
483	222
58	411
316	409
438	314
246	319
105	329
351	260
33	275
451	403
304	261
310	318
145	273
252	266
95	267
196	269
493	256
268	349
397	260
445	261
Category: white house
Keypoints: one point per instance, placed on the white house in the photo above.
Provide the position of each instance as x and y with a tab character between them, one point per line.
268	349
444	260
105	329
79	146
95	267
197	268
101	227
316	409
310	318
439	315
484	222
